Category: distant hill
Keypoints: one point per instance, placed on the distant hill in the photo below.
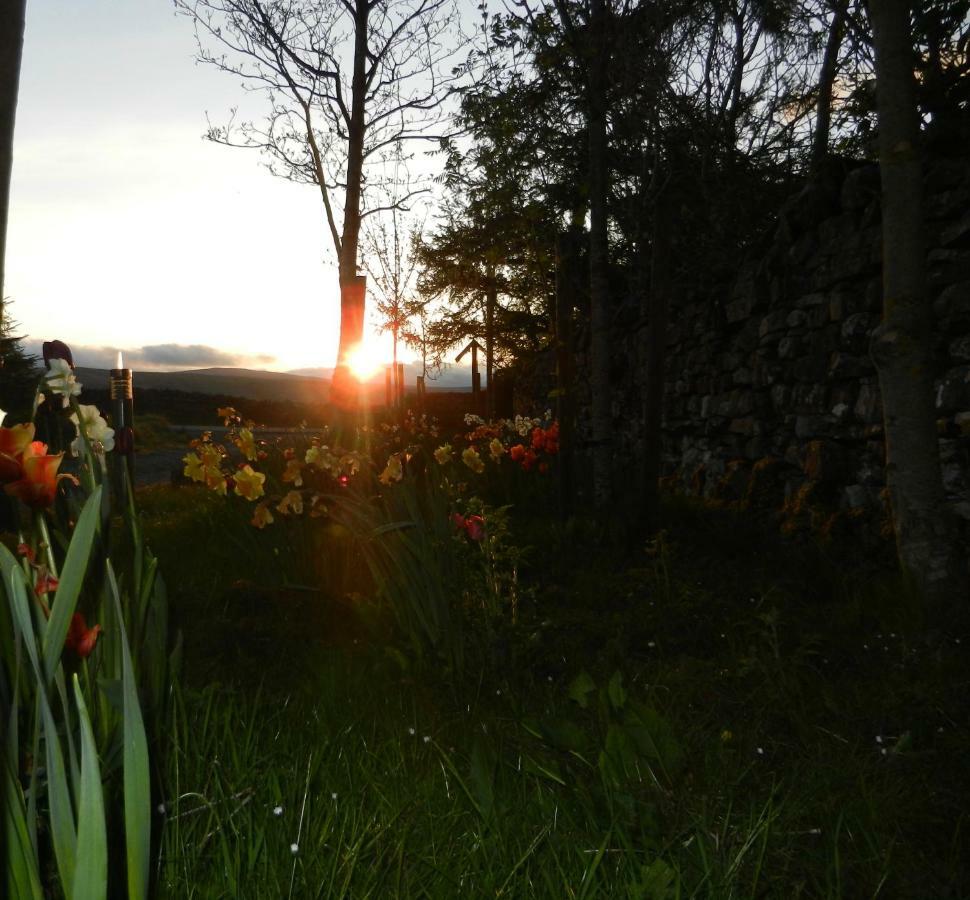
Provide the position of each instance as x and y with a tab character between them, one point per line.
450	378
254	384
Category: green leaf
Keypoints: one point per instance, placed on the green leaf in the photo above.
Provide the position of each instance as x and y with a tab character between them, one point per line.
63	826
72	579
616	692
21	879
137	784
90	878
655	739
580	688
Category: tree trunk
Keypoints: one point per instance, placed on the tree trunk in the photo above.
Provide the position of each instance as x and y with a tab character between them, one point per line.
926	536
566	283
491	299
599	284
343	389
826	79
657	304
12	15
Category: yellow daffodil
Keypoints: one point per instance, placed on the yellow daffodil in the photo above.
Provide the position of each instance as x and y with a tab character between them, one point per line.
443	454
194	467
496	449
320	458
247	444
262	516
291	503
249	483
470	458
293	472
393	471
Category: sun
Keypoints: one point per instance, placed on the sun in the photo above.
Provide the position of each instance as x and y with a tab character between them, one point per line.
365	360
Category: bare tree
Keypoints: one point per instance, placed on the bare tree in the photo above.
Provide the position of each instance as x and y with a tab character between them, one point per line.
11	48
926	538
348	82
393	272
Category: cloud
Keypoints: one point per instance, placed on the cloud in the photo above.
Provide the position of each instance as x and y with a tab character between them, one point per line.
162	357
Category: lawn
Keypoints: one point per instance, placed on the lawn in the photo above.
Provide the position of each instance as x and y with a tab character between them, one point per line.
716	712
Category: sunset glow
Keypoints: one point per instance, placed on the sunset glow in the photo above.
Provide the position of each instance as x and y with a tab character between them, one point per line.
366	360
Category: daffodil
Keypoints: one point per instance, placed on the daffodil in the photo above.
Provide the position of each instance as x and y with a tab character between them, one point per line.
246	444
496	449
93	424
262	516
470	458
249	483
291	503
194	467
393	471
321	458
60	380
293	472
443	454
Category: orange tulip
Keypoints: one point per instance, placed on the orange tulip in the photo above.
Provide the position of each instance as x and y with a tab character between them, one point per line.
38	482
13	442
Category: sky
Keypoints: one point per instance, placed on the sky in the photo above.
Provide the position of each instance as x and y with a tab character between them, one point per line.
129	231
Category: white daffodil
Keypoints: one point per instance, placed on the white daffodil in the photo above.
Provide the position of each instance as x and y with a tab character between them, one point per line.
102	437
60	380
3	416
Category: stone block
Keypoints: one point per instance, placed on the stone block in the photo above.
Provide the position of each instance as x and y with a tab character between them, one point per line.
742	376
739	309
812	426
789	347
772	324
745	425
953	390
845	365
960	349
957	234
797	320
824	461
868	405
809	398
812	368
810	300
780	396
952	306
856	330
856	496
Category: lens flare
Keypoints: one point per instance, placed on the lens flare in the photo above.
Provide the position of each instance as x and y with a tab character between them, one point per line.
365	361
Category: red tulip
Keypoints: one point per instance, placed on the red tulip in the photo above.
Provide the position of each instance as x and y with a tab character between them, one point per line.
80	638
475	527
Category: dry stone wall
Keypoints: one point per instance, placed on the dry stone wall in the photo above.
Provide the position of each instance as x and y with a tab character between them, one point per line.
771	394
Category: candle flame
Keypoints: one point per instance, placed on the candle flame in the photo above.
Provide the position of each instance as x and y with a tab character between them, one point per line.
119	363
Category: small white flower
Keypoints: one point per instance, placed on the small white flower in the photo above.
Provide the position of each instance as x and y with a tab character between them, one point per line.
878	738
161	809
651	644
95	427
60	380
761	751
426	738
411	731
333	796
294	849
883	751
277	811
498	693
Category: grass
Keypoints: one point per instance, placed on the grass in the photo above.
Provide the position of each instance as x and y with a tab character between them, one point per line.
715	714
